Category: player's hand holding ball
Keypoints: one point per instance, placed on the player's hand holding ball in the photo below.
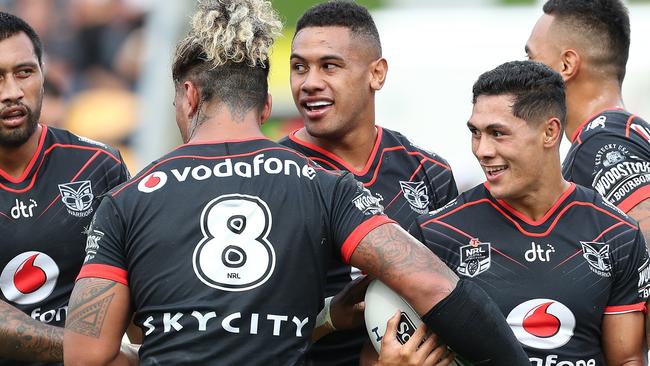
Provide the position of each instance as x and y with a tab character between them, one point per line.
418	349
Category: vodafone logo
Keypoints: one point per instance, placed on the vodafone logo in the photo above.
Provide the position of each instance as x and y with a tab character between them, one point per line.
542	323
152	182
29	278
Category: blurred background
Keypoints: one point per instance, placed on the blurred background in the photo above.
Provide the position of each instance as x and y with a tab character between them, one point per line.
108	68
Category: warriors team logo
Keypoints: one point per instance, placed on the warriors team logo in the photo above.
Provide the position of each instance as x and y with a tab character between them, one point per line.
29	278
416	195
235	254
366	202
597	255
542	323
77	197
475	258
152	182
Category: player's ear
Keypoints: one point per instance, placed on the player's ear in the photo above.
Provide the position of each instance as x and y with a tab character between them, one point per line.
192	98
552	132
571	62
266	110
378	71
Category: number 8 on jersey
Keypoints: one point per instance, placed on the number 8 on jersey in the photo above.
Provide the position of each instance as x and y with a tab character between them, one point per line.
234	254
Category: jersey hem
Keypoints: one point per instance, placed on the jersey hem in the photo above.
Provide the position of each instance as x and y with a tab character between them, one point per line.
353	240
623	309
104	271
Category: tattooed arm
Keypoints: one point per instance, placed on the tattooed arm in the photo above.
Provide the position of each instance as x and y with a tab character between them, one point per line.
98	314
406	265
25	339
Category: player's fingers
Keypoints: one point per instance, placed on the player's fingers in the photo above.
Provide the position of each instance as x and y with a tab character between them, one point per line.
391	329
437	355
446	361
416	338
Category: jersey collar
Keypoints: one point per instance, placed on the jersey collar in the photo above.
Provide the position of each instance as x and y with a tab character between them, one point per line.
582	126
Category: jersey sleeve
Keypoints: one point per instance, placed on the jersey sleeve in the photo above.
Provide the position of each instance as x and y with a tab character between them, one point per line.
443	184
354	212
105	252
631	274
616	167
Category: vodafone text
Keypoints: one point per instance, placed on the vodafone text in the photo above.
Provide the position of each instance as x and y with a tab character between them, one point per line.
236	323
50	315
259	165
552	360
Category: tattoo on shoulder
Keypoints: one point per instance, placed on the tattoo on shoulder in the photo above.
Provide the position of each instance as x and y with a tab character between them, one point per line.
89	304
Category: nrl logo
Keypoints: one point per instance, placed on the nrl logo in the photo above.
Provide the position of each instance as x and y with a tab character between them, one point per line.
416	194
475	258
597	255
77	197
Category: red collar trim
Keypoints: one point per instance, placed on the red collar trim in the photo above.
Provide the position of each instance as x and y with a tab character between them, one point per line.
578	130
37	153
543	219
292	136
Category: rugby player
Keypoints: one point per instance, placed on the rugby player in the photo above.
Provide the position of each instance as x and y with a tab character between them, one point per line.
568	269
336	69
49	181
588	42
220	247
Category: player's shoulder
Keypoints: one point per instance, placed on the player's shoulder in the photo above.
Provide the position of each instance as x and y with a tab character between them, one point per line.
67	138
461	202
391	138
614	125
599	203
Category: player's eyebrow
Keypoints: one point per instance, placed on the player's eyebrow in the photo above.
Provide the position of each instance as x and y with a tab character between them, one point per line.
20	65
491	126
322	58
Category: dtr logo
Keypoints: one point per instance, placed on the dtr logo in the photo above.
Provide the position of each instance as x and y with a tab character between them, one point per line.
152	182
542	323
235	254
29	277
20	209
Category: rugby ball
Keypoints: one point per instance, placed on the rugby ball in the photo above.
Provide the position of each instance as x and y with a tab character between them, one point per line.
381	304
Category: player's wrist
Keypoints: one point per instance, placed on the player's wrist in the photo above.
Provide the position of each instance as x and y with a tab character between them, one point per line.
323	325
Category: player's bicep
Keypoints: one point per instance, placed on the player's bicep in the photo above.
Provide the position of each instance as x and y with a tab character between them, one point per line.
405	265
623	338
98	314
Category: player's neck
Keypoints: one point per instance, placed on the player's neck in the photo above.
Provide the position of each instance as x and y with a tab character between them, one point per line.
220	125
589	98
14	160
541	199
354	148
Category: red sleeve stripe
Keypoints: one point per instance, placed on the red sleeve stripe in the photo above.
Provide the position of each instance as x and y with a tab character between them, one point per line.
622	309
104	271
634	199
351	243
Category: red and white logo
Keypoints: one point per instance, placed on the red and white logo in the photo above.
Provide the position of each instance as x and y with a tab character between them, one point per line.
29	278
152	182
542	323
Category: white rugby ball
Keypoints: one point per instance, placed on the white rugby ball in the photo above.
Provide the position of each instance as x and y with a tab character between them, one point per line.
381	304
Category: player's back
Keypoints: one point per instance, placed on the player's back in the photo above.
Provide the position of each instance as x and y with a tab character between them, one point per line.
226	247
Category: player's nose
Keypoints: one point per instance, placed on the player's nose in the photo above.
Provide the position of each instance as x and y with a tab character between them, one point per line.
313	82
10	90
483	148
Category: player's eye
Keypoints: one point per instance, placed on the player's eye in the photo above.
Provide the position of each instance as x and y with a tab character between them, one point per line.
298	67
475	132
497	133
23	73
329	66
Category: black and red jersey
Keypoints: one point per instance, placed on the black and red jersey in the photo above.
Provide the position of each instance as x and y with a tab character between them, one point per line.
611	153
44	218
408	181
224	247
553	278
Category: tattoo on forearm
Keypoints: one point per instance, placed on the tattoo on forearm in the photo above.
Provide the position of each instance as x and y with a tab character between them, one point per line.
89	304
394	254
641	213
23	338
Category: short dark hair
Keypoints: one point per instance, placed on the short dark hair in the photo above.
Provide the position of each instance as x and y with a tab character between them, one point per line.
341	13
538	91
606	19
11	25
